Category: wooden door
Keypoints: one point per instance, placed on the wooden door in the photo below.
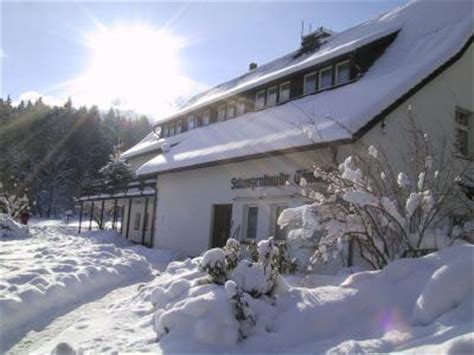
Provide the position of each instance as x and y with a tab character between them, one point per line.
221	225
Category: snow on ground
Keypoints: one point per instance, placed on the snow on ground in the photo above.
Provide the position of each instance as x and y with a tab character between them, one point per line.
55	270
413	305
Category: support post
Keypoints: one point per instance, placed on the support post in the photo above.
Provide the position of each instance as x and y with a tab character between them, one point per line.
153	222
80	217
128	217
145	221
90	217
114	220
121	218
102	215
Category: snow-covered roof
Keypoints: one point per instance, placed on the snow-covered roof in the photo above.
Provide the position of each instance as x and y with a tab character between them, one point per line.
430	33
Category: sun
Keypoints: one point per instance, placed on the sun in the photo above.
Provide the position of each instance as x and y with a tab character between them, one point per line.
133	67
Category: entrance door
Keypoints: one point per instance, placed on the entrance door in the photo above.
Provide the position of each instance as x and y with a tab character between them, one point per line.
221	225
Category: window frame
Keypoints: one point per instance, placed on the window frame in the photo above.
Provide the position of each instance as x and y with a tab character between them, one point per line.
137	221
172	129
264	96
271	88
329	68
316	82
179	126
280	91
206	116
339	64
190	124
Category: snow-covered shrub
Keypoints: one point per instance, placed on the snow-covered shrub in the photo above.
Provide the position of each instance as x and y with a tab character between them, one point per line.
282	261
214	263
10	229
243	313
252	250
232	253
385	214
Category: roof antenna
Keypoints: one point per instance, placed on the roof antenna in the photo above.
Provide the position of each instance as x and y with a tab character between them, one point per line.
310	27
302	28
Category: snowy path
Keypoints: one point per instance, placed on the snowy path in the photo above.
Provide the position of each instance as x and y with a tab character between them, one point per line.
111	323
51	280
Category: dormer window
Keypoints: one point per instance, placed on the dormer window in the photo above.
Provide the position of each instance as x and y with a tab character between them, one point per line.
240	107
206	117
179	127
231	109
325	78
190	122
171	130
343	72
310	83
165	131
272	96
260	100
284	92
197	121
221	113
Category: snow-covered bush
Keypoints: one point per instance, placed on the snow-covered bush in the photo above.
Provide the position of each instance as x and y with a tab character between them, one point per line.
10	229
214	263
387	215
243	313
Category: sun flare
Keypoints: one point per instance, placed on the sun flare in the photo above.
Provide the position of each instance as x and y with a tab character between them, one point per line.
133	67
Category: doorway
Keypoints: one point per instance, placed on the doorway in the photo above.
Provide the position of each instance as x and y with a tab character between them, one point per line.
222	220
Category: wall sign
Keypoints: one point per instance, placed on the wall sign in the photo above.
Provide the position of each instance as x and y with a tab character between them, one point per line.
271	180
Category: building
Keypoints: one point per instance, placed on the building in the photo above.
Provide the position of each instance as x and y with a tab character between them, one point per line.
227	162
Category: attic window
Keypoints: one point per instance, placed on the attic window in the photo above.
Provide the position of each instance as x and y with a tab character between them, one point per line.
272	96
231	109
179	126
260	100
463	133
165	131
284	92
206	117
190	122
325	78
240	107
342	72
221	113
310	83
171	131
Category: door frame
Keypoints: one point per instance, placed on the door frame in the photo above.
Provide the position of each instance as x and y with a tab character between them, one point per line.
213	215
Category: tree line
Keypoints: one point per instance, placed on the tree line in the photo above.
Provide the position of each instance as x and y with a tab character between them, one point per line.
48	153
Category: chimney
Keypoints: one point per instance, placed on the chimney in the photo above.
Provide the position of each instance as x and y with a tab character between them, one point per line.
252	66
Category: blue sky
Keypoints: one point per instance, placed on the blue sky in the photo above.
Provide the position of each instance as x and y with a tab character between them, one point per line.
46	47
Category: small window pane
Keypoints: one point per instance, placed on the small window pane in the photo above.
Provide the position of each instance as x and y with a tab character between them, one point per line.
221	113
137	221
284	92
272	96
260	100
231	110
462	118
206	117
343	73
171	130
310	83
179	127
240	107
252	218
165	131
325	78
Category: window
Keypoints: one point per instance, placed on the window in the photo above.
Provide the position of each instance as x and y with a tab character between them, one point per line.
231	109
179	127
240	107
221	113
310	83
171	129
190	122
137	221
197	121
325	78
272	96
343	72
277	232
252	218
165	131
206	117
463	134
260	100
284	92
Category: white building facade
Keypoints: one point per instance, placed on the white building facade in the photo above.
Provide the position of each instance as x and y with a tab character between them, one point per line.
230	160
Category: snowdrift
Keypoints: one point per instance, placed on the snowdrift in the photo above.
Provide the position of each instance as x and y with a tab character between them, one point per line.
412	304
11	229
50	273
